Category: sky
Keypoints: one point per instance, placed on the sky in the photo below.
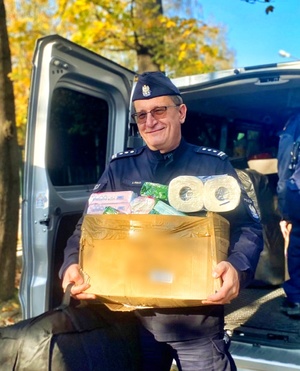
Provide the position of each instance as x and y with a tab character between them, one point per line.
257	37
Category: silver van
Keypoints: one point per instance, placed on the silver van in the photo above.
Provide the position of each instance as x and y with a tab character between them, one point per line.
79	116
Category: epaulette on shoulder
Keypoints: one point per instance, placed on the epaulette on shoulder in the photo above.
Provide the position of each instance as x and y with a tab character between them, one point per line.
128	153
211	151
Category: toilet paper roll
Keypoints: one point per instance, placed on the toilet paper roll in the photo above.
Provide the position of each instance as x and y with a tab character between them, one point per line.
185	193
221	193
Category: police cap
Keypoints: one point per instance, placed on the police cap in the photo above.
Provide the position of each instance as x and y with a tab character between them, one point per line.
153	84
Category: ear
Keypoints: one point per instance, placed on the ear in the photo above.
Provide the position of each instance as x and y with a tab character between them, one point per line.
182	113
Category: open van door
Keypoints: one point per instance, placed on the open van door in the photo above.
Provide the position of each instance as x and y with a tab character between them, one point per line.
78	117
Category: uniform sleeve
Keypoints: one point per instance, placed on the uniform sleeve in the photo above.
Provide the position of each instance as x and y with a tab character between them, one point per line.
71	252
287	137
246	237
284	158
246	242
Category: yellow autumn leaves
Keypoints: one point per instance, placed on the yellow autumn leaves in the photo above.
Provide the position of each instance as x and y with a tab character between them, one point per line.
121	30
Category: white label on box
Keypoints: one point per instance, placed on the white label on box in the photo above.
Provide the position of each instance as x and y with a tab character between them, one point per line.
161	276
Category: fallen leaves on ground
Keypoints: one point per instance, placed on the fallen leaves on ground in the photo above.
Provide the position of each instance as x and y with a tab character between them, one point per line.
10	312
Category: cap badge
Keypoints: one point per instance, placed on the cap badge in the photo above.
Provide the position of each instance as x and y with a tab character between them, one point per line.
146	91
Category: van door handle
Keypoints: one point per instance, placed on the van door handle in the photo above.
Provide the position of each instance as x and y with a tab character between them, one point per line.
45	222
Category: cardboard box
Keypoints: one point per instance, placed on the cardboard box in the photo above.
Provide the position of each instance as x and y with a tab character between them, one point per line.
153	260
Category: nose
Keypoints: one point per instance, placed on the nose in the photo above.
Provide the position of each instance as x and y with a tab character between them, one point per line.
150	119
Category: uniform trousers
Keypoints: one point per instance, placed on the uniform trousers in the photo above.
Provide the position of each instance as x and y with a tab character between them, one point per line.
292	285
202	354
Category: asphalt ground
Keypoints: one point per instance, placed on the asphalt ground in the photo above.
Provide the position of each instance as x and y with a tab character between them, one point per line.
255	317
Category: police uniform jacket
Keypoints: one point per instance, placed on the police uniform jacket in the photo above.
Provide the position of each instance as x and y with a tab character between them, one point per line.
128	171
287	160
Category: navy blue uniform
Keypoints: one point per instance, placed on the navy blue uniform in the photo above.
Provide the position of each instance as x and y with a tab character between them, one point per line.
289	135
288	203
192	326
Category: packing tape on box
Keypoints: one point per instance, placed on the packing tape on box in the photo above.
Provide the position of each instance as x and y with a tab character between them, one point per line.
221	193
186	193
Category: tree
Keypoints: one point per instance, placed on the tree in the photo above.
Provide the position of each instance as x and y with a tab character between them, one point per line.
179	45
138	34
9	168
146	60
26	22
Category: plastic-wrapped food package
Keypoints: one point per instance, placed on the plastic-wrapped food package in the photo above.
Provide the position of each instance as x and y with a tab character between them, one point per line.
118	200
155	190
142	205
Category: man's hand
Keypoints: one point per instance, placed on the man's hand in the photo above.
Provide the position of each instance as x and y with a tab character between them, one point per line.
230	286
74	274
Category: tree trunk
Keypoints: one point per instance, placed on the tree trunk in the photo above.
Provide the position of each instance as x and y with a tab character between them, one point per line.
144	52
9	168
145	63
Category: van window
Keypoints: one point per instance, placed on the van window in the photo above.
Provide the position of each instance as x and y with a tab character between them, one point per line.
240	140
202	131
247	143
77	138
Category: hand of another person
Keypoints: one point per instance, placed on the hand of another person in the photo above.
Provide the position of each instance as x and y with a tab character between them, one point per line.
73	274
285	228
230	284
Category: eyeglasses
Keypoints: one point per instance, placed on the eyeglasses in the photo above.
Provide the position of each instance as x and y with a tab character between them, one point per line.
157	113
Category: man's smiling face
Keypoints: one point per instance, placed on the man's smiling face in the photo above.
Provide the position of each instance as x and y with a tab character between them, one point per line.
162	133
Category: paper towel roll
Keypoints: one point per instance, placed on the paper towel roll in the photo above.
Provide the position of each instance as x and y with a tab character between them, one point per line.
221	193
186	193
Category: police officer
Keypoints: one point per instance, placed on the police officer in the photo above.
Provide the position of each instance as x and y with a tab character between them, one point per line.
192	336
288	204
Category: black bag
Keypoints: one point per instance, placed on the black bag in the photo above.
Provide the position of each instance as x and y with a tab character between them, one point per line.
270	268
85	338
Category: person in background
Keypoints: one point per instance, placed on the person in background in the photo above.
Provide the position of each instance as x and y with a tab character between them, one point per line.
195	336
288	204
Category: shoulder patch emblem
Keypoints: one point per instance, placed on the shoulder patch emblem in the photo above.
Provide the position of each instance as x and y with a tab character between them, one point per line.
212	151
131	152
99	187
252	211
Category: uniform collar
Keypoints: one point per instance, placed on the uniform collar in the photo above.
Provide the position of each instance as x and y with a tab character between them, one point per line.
157	156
